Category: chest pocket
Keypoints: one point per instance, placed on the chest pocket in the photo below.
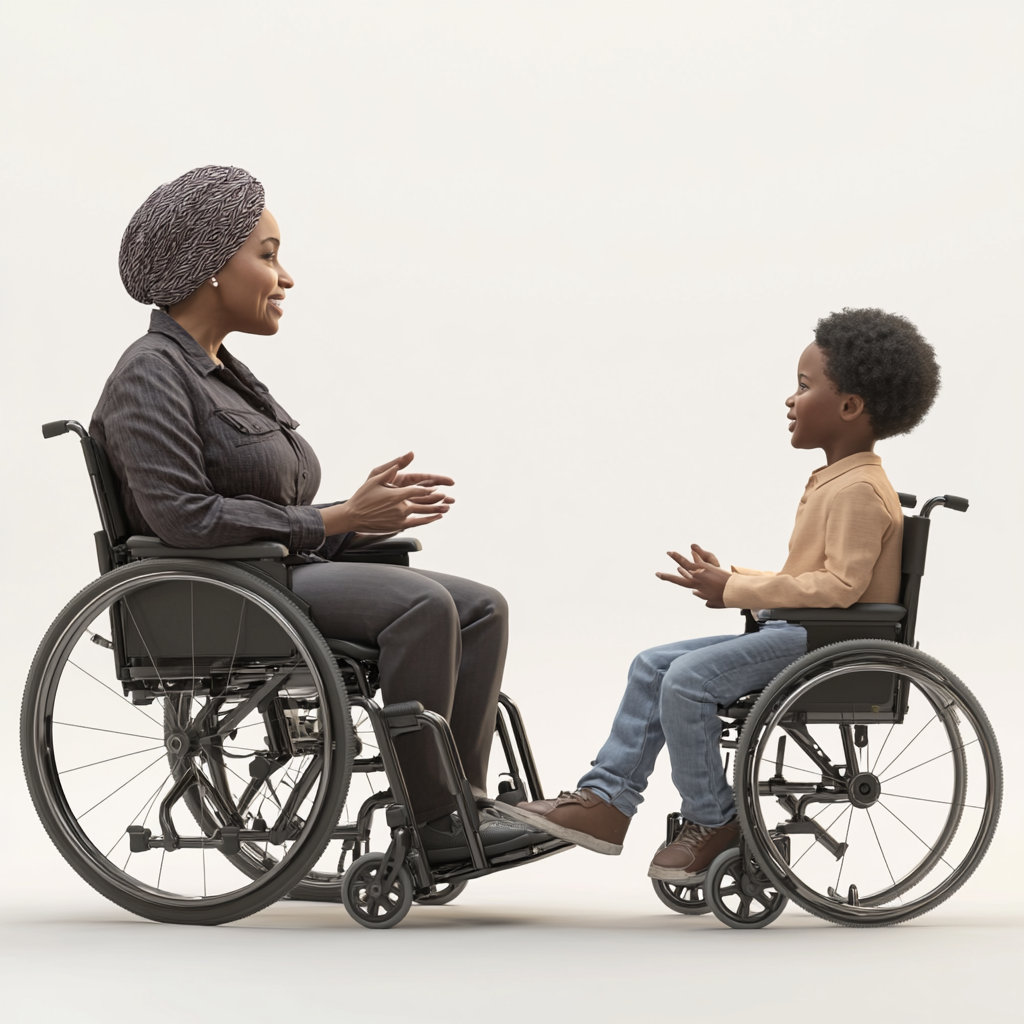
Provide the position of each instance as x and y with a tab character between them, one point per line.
247	428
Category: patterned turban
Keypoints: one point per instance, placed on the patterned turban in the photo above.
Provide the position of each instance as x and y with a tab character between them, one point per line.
186	231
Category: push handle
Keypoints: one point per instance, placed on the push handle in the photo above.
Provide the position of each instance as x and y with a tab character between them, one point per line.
949	500
907	500
58	427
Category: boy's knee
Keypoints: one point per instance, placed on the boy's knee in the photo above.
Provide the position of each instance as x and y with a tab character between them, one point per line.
682	683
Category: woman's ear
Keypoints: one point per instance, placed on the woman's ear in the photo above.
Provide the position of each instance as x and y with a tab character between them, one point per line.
852	407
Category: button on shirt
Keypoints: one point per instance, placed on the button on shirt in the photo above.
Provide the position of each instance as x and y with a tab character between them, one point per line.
846	546
204	455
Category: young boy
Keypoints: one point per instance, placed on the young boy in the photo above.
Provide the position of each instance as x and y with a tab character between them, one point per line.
866	376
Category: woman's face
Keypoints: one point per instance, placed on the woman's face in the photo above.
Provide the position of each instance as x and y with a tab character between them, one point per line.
251	285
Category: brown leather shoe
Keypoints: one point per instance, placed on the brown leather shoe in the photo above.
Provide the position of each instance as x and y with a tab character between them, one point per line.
688	857
582	818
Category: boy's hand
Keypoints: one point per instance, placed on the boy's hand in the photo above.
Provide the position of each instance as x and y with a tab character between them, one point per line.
703	576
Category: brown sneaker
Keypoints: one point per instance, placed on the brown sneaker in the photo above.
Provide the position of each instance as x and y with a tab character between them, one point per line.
688	857
582	818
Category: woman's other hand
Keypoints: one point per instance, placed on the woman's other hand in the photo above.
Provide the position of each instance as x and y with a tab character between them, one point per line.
390	501
406	479
703	575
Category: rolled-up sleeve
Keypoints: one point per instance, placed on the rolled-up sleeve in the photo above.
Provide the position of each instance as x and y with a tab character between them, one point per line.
855	527
151	435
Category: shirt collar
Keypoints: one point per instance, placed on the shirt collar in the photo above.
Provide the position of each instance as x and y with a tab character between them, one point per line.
165	324
823	474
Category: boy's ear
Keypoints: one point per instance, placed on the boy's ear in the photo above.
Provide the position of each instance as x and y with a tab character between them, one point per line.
852	407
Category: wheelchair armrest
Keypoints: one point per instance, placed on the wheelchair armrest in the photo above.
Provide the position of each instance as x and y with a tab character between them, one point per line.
152	547
833	625
393	550
391	542
854	614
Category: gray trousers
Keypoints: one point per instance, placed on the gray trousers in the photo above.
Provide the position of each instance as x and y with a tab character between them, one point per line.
442	642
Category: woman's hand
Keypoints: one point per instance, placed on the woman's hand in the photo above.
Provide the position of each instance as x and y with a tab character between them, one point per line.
389	501
704	576
406	479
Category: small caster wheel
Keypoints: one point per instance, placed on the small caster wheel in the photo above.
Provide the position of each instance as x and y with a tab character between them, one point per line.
364	898
439	895
738	898
682	898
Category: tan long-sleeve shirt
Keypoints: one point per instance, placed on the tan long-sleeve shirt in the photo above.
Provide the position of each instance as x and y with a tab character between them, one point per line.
846	545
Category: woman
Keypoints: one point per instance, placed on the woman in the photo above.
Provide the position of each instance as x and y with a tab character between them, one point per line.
206	457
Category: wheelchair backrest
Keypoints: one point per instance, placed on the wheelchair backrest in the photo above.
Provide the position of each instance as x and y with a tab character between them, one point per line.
915	551
104	489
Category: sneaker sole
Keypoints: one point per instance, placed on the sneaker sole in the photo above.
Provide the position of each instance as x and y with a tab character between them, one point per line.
438	858
676	875
570	835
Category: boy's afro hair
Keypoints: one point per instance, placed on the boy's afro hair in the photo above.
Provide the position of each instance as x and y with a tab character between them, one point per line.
883	358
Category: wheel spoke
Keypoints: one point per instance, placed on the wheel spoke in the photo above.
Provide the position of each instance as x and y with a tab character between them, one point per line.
931	849
926	800
120	696
907	747
846	846
119	788
945	753
113	732
147	805
881	750
879	841
107	760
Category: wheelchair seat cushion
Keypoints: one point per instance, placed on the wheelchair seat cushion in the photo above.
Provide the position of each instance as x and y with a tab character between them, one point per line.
361	652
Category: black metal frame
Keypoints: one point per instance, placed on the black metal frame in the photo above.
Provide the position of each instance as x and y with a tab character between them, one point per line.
858	698
267	560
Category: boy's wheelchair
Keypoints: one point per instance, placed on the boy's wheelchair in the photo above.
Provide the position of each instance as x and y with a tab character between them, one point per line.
189	739
884	764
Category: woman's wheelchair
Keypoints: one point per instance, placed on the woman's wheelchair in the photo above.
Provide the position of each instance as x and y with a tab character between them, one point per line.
189	739
884	764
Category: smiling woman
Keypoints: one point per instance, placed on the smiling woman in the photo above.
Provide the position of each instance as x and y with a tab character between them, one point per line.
245	295
205	457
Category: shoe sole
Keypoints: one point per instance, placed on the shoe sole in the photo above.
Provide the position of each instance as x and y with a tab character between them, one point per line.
437	858
676	875
570	835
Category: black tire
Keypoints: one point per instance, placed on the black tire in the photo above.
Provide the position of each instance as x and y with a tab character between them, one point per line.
63	676
737	896
959	809
375	909
439	895
683	899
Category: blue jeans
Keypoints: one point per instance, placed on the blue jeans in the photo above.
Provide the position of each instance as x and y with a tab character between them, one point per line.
672	697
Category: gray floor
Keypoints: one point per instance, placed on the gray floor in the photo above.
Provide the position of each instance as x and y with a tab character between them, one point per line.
510	949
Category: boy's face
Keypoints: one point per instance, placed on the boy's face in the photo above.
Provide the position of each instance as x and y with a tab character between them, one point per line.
818	414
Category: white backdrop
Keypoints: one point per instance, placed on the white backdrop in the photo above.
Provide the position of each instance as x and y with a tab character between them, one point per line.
569	253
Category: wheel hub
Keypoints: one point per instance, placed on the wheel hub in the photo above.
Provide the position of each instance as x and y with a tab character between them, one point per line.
178	744
864	789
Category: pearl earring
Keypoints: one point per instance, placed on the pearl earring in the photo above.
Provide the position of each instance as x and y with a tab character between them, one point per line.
213	281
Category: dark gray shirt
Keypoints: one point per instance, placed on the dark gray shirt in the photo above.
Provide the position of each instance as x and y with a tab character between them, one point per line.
204	455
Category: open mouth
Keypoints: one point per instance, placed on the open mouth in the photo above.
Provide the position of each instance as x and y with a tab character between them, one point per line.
277	304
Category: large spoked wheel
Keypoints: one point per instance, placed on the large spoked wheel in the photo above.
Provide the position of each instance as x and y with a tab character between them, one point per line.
739	894
213	787
886	820
367	898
